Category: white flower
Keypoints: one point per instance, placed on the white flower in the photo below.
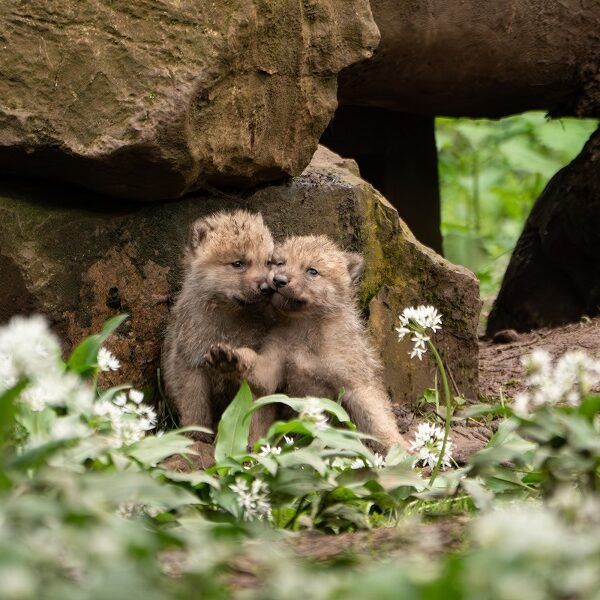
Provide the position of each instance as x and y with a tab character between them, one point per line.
289	441
128	421
50	389
361	463
428	445
312	411
31	346
147	417
27	349
417	321
570	379
268	450
379	461
120	399
107	361
253	499
136	396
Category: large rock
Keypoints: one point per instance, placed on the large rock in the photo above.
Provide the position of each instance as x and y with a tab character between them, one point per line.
474	58
150	100
80	266
554	273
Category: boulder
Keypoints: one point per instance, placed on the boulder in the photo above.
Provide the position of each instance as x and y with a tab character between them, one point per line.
81	265
553	276
149	100
481	59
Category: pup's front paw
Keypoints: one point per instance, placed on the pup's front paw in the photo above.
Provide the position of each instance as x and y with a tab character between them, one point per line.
224	358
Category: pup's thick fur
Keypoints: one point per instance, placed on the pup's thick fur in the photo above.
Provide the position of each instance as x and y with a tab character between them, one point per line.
221	301
320	345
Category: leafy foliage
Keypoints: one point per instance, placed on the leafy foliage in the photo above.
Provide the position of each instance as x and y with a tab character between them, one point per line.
491	172
87	512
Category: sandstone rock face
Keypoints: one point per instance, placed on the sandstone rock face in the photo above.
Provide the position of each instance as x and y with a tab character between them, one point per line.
149	100
554	273
80	266
474	58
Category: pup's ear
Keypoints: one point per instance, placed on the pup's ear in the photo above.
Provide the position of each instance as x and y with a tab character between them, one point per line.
355	264
197	233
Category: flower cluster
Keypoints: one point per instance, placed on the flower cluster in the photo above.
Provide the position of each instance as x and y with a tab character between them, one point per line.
252	498
128	417
567	380
417	321
268	450
377	463
107	361
29	350
427	446
313	412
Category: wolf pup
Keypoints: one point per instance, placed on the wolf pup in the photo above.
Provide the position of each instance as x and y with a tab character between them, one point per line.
320	345
224	299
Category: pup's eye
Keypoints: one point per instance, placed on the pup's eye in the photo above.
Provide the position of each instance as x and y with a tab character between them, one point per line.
312	271
238	264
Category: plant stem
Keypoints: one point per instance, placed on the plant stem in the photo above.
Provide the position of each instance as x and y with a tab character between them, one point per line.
448	398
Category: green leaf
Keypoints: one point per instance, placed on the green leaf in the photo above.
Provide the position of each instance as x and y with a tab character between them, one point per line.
305	456
84	359
234	427
589	407
9	409
153	449
36	457
298	404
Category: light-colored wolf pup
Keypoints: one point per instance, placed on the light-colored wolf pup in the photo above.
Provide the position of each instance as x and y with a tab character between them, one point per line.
320	345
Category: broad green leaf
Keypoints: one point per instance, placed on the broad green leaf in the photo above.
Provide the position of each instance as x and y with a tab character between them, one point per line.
234	427
9	408
590	407
195	478
37	456
297	483
153	449
298	404
304	456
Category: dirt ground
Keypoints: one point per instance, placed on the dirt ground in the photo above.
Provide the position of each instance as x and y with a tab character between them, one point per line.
500	371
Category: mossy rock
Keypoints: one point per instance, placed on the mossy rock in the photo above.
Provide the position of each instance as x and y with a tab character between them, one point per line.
80	266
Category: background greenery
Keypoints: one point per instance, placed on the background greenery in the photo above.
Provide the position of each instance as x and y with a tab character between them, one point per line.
491	172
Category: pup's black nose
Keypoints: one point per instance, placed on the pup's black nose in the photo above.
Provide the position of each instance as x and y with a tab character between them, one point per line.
265	289
280	281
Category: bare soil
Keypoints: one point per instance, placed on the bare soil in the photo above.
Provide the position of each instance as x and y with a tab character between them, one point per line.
500	370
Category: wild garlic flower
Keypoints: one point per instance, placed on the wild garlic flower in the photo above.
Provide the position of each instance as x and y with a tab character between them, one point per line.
268	450
107	361
416	322
313	412
568	380
361	463
27	349
136	396
427	446
129	420
253	499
